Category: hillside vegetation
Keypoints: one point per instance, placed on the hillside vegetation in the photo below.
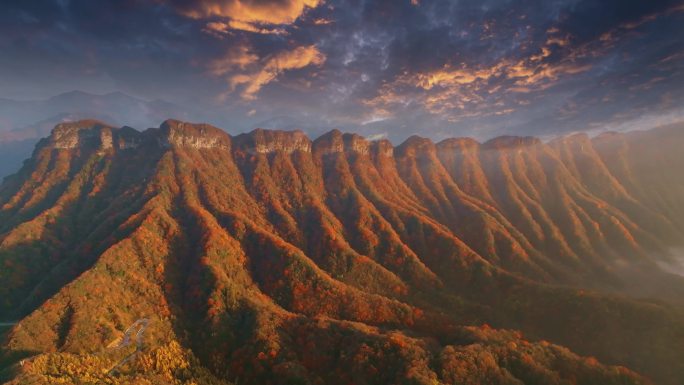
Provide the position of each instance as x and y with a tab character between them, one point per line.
268	258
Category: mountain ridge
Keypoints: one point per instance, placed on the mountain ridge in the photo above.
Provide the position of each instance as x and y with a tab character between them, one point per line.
23	123
264	135
266	238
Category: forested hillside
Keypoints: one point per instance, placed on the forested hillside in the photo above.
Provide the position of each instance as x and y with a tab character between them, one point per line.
269	258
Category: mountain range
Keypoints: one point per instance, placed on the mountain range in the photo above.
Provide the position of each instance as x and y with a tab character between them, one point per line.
23	123
271	258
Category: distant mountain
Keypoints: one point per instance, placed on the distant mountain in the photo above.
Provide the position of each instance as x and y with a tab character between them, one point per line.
17	144
269	258
22	123
124	109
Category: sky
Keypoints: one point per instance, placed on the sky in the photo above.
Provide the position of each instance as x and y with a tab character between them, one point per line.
383	68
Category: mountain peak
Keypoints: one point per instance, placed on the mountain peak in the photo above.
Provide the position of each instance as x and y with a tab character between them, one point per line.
511	142
608	135
194	135
578	138
267	141
356	143
457	143
382	147
329	143
74	134
335	141
72	95
415	144
93	134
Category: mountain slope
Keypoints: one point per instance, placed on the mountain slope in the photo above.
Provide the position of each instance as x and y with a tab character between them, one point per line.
268	256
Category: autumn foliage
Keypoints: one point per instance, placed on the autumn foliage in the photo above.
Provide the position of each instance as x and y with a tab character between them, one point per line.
267	258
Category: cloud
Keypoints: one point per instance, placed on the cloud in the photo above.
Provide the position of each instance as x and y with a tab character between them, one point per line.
247	15
257	75
612	34
220	29
239	57
420	68
374	137
466	92
477	90
374	119
217	29
322	21
249	27
447	77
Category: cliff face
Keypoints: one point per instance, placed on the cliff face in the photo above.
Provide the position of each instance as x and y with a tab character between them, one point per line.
262	141
82	133
180	134
268	256
85	134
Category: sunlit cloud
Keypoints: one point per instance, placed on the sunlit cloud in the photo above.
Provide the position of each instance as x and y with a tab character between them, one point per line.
471	92
374	137
458	91
613	34
258	16
219	29
239	57
374	119
253	74
399	66
322	21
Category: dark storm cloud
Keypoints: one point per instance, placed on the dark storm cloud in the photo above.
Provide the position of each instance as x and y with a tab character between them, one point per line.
436	68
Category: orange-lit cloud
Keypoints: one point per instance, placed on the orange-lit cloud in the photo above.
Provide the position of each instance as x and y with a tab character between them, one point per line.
612	35
447	77
322	21
463	91
257	75
219	29
250	15
240	57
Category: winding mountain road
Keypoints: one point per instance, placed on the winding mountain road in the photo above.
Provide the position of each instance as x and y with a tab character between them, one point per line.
138	327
